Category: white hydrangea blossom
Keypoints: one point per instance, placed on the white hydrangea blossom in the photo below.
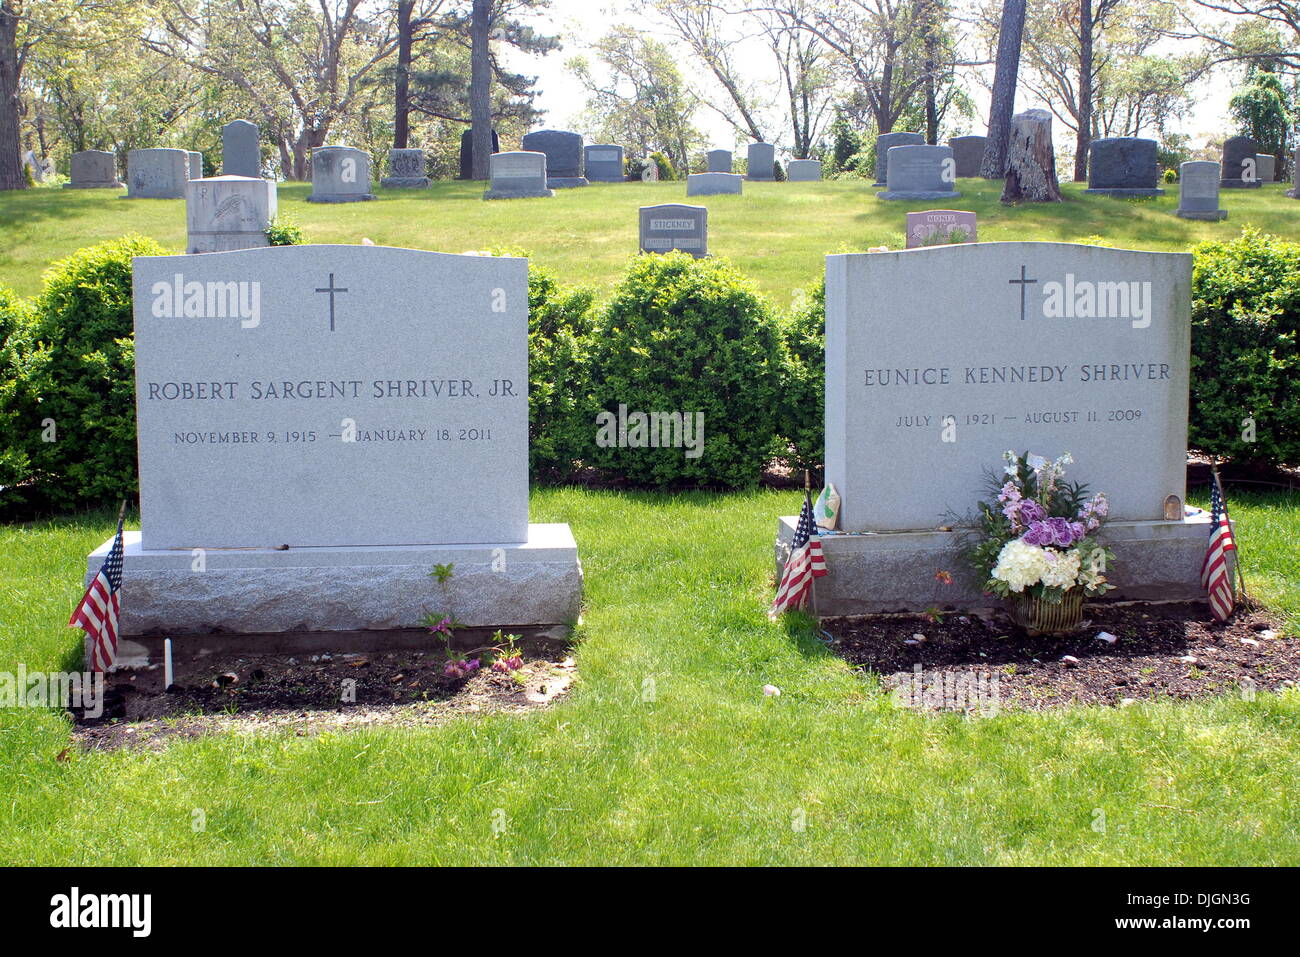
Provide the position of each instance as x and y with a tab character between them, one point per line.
1021	565
1062	569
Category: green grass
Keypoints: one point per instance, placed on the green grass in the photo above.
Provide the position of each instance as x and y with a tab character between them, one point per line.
778	233
710	771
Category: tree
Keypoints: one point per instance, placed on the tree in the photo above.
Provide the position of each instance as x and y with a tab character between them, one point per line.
29	25
412	29
1003	100
1261	111
642	100
302	64
806	75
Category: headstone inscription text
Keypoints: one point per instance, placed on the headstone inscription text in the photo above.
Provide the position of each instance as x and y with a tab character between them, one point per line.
331	395
1049	347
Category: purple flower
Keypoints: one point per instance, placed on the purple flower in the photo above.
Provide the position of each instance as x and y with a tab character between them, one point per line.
1038	533
1079	532
1010	493
1031	511
1062	534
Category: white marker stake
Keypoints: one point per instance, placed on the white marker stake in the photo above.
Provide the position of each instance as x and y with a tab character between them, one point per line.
167	664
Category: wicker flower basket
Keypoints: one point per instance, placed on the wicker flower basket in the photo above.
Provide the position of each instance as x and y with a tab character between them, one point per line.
1040	617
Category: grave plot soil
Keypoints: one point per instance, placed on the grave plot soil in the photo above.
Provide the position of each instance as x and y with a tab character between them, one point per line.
258	693
1161	651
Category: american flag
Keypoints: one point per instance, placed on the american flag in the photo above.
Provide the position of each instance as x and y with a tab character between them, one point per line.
97	613
805	563
1216	577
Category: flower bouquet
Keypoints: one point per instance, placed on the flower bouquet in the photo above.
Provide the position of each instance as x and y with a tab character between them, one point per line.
1038	548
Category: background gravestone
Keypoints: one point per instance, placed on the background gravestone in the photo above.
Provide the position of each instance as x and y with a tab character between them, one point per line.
719	161
563	149
967	154
761	162
340	401
714	184
884	143
920	172
93	169
228	212
517	175
340	174
467	152
196	164
1239	170
603	163
993	353
804	171
937	227
650	171
1031	160
406	170
1294	191
1266	167
1123	166
157	173
675	226
1198	191
241	153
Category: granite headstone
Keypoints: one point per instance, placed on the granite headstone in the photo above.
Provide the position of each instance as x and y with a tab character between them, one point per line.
713	184
884	143
761	162
1239	163
157	174
804	171
228	212
1122	166
968	154
406	170
564	159
938	227
1198	191
241	153
920	172
1266	167
675	226
1045	347
196	164
517	175
603	163
340	174
467	152
93	169
719	161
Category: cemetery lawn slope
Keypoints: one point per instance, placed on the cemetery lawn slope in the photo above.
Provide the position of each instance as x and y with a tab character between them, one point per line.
667	752
777	233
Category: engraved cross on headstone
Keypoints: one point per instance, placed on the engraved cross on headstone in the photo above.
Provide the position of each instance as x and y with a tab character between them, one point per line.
1022	282
332	289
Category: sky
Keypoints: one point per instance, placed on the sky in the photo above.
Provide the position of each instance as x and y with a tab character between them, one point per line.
579	23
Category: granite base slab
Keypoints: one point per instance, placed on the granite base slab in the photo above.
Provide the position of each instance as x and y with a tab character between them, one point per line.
881	572
1239	184
1124	193
517	193
113	185
566	182
346	589
404	182
923	194
340	197
1209	215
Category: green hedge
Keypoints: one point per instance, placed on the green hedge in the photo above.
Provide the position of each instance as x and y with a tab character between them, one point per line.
1245	355
694	337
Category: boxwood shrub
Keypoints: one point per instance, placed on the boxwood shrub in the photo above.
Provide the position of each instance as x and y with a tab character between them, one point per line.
1245	353
559	327
687	336
75	368
801	421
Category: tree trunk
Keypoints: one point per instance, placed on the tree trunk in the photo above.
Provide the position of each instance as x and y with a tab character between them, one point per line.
480	88
1003	100
402	94
931	60
1083	138
1031	161
11	164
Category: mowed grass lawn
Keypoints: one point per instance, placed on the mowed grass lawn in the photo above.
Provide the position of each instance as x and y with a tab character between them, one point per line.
777	233
710	771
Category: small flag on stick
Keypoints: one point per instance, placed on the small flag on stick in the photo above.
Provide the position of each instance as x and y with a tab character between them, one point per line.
805	563
98	611
1216	572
